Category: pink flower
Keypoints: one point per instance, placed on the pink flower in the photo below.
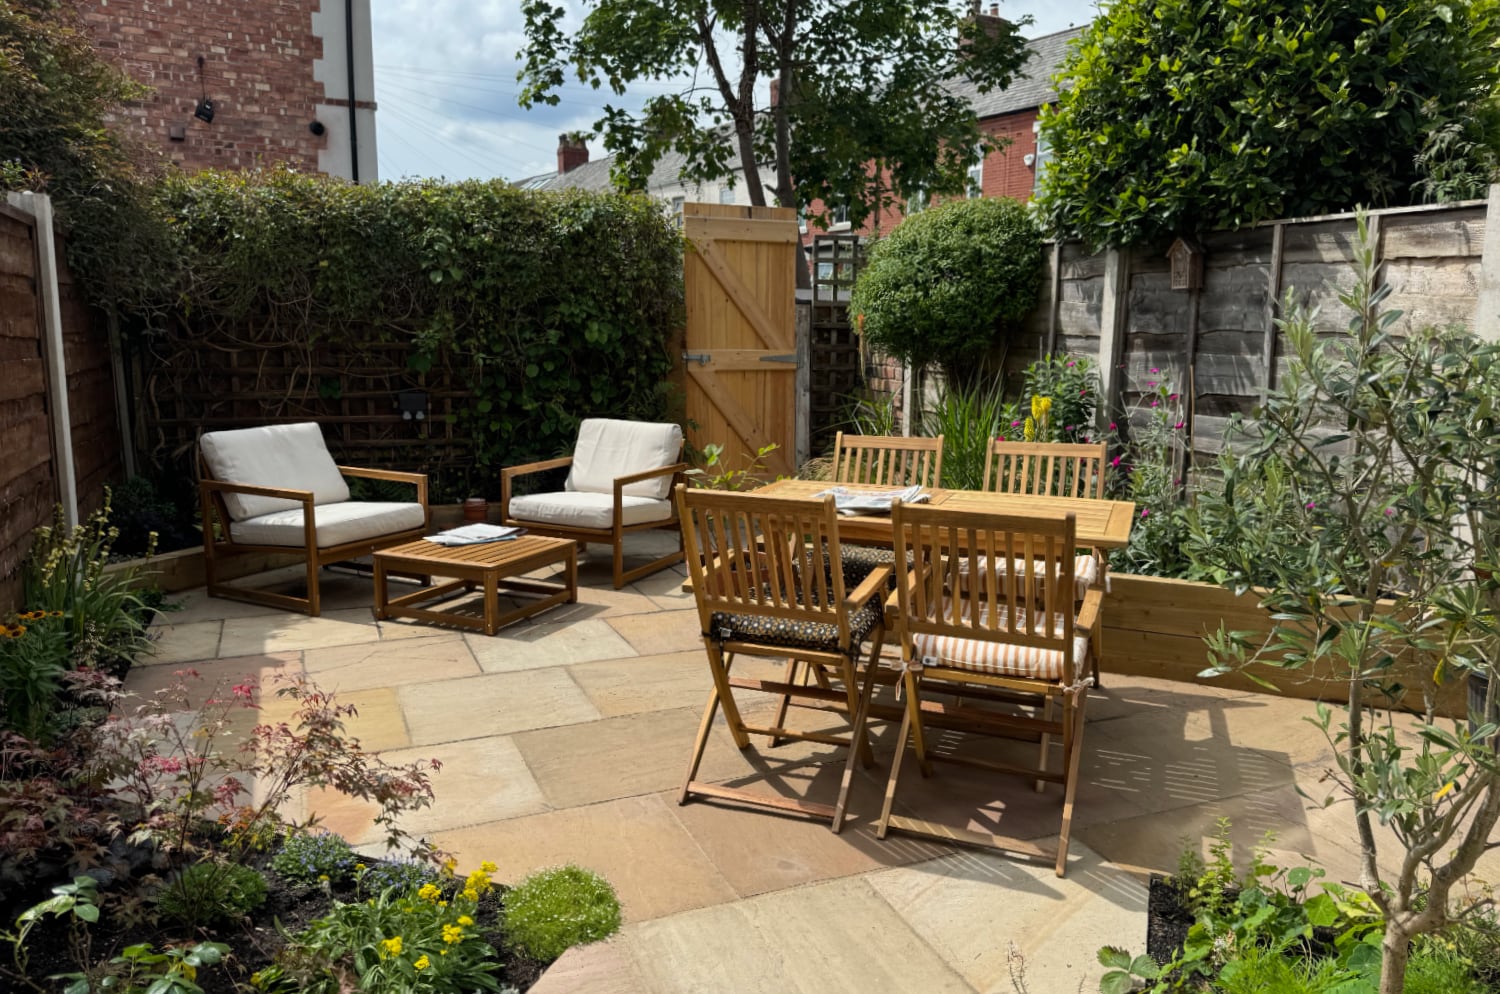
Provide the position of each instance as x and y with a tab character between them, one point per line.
1145	512
1179	425
1151	384
1390	511
1067	427
1072	364
1155	370
1111	426
1115	462
1311	505
1017	424
1155	403
1171	396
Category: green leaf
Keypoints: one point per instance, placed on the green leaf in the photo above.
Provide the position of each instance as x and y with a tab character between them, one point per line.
1114	957
1116	982
88	912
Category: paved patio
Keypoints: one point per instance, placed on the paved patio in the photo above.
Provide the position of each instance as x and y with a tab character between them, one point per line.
564	739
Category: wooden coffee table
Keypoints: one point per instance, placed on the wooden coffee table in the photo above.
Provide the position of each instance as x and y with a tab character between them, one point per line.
489	565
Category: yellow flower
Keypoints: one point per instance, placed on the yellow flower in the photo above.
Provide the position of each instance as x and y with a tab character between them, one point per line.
422	962
55	614
429	892
392	945
323	877
1447	789
442	904
452	934
1030	430
449	865
359	867
1040	406
465	920
470	894
488	867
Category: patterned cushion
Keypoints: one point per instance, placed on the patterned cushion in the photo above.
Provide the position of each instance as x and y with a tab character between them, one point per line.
732	627
860	561
1002	658
1085	571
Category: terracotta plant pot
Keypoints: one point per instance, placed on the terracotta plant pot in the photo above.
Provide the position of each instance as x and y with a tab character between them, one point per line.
476	509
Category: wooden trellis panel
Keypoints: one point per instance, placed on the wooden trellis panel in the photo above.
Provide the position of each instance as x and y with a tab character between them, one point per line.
836	371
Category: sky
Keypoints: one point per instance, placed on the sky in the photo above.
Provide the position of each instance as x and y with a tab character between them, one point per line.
445	87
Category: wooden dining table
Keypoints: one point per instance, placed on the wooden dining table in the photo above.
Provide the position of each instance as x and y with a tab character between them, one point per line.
1101	524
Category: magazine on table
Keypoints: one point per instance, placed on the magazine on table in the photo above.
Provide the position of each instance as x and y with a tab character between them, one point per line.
475	534
873	501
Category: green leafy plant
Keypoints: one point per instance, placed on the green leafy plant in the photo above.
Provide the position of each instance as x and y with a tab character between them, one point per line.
871	414
402	874
211	892
313	857
1147	468
416	941
554	910
967	417
33	661
715	474
947	284
1071	383
1396	443
1293	109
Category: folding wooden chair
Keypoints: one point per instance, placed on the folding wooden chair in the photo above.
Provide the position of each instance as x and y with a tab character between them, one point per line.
1009	629
768	579
1054	469
887	460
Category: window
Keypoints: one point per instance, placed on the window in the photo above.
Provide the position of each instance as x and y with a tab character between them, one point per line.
839	216
1043	156
802	220
976	175
677	203
726	194
917	202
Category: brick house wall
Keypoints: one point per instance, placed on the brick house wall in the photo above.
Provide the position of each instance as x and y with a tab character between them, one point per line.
258	71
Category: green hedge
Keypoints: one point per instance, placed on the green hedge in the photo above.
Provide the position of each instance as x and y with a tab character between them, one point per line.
548	307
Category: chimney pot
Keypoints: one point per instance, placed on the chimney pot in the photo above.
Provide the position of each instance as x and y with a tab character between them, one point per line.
572	152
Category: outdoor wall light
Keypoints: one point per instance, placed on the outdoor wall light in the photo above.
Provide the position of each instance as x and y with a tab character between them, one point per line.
317	128
205	109
413	405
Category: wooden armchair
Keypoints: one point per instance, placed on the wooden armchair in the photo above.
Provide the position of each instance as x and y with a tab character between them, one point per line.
1012	630
769	581
619	482
308	513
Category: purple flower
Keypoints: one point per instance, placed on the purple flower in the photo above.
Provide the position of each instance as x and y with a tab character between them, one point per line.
1067	427
1311	505
1151	384
1111	426
1154	403
1179	425
1115	462
1017	424
1071	365
1145	512
1171	396
1155	370
1390	511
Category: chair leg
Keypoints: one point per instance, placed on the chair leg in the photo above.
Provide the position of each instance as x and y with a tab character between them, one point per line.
859	744
705	728
918	735
913	706
619	563
314	592
720	670
1041	762
793	666
1072	722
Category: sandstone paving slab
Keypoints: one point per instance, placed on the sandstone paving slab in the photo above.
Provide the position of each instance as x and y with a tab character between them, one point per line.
622	757
973	906
1130	696
635	843
601	602
660	632
391	664
378	722
598	968
763	851
481	780
196	605
214	678
665	589
646	683
493	704
822	939
185	643
1275	726
286	631
545	644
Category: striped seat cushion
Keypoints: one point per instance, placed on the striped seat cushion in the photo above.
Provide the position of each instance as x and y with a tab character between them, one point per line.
1002	658
1085	571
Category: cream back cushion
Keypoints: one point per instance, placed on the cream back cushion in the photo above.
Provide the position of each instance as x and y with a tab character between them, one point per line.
608	449
290	456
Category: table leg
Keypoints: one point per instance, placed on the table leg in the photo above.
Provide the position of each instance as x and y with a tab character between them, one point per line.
572	576
491	602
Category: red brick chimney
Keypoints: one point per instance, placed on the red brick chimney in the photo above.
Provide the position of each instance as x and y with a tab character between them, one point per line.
990	23
572	152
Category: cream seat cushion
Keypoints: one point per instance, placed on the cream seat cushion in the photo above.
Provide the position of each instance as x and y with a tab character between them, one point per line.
293	457
1085	571
337	524
587	510
608	448
1003	658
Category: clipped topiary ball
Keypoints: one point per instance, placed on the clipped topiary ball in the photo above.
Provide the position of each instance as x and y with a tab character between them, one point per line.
553	910
945	284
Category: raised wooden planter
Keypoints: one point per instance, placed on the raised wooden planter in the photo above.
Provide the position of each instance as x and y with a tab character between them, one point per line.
1155	627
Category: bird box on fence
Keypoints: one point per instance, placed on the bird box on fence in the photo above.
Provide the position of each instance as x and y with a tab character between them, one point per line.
1186	256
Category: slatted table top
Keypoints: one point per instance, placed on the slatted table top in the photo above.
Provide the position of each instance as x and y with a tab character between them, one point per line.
1102	523
486	555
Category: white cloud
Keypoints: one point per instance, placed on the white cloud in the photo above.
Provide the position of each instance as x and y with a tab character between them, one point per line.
445	84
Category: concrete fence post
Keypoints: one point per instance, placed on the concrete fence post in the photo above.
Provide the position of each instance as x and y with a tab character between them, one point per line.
1487	311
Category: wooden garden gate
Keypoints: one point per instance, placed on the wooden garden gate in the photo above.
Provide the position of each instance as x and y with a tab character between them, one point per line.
739	355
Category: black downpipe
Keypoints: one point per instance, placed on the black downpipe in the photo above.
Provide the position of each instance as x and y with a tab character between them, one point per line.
353	111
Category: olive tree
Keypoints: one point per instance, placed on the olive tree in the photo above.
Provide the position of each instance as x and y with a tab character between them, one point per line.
1392	445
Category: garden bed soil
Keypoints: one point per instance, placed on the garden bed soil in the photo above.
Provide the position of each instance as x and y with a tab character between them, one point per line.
289	908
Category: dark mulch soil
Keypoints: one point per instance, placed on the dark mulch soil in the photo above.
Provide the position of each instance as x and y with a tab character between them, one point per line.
1168	919
254	943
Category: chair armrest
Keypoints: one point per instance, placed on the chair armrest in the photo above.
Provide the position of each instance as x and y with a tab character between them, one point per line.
1088	612
625	481
418	480
869	587
526	469
253	490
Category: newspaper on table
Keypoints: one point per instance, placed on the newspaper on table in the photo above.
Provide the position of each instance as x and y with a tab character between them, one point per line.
872	501
475	534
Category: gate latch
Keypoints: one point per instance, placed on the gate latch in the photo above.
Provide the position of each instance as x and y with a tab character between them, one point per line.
701	358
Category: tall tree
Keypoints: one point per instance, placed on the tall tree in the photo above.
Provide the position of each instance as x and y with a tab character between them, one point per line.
1181	116
867	108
